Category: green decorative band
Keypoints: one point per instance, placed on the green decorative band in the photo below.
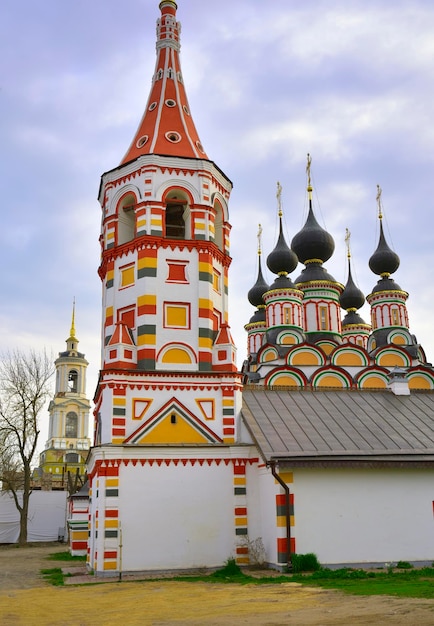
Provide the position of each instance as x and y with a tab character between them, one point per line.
147	329
147	271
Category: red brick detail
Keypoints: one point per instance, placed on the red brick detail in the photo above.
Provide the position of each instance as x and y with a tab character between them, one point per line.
242	550
239	469
112	513
240	510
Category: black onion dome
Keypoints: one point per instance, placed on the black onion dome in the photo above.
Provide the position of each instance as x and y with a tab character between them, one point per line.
282	259
258	316
313	242
384	260
259	288
282	282
314	272
352	317
351	297
386	284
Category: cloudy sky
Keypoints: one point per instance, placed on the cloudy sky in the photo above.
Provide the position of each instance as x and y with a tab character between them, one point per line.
350	81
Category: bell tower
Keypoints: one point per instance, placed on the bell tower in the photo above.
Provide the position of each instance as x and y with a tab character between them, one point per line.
68	442
169	384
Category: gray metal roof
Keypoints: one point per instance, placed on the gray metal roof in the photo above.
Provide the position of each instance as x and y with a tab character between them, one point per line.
340	425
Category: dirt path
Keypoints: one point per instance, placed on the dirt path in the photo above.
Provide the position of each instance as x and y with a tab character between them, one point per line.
27	600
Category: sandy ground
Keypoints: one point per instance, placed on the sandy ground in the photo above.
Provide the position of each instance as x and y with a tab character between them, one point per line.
27	600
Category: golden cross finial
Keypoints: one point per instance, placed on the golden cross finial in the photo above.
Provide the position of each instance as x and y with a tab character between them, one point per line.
279	198
309	181
347	241
72	331
259	238
379	192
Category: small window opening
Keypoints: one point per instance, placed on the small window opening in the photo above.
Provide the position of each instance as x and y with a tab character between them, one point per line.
175	225
173	418
73	381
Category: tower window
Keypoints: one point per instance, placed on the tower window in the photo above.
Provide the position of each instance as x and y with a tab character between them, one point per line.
141	141
323	318
173	136
72	457
287	315
73	381
71	426
216	280
175	225
173	418
395	317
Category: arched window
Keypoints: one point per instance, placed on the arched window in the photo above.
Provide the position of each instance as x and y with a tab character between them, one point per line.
175	223
72	457
71	426
73	381
218	226
126	219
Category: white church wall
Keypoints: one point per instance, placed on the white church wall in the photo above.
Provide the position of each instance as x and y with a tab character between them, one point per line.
266	512
364	516
175	517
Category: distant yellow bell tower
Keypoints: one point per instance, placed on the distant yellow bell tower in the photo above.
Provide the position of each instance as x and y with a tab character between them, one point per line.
68	442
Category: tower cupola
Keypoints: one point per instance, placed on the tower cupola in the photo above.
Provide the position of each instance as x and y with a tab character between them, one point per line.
256	326
389	315
384	261
167	126
284	314
313	246
354	328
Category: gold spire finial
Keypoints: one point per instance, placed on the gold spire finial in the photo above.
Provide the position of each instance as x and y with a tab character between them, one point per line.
309	181
259	239
279	198
379	192
347	242
72	331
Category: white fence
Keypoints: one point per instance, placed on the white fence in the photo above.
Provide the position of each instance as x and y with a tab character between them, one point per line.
46	520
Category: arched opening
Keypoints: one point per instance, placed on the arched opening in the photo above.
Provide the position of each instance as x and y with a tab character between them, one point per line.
177	214
175	225
218	226
71	426
72	457
73	381
126	219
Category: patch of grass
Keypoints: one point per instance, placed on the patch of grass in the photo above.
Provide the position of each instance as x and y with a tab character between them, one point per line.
231	572
54	576
417	583
65	556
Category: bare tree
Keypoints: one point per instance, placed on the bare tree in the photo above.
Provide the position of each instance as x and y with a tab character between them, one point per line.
24	389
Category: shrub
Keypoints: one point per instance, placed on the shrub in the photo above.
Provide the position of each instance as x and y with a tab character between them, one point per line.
404	565
230	570
305	563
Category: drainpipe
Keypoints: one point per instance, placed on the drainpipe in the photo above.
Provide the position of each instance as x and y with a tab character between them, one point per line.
285	487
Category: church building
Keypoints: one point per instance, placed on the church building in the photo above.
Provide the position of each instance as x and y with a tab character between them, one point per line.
324	442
